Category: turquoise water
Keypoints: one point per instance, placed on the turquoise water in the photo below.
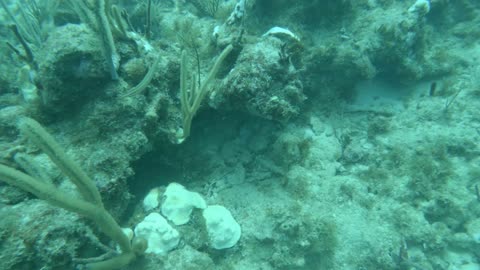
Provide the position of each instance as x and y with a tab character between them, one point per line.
231	134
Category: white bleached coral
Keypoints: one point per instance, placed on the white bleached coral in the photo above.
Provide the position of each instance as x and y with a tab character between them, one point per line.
179	203
223	230
161	237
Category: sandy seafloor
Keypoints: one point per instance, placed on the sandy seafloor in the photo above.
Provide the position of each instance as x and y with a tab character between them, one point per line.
345	138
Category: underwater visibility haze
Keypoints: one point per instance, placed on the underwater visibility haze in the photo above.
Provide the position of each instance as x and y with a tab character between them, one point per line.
240	134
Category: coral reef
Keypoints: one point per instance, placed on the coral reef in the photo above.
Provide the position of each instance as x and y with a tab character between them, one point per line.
338	134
